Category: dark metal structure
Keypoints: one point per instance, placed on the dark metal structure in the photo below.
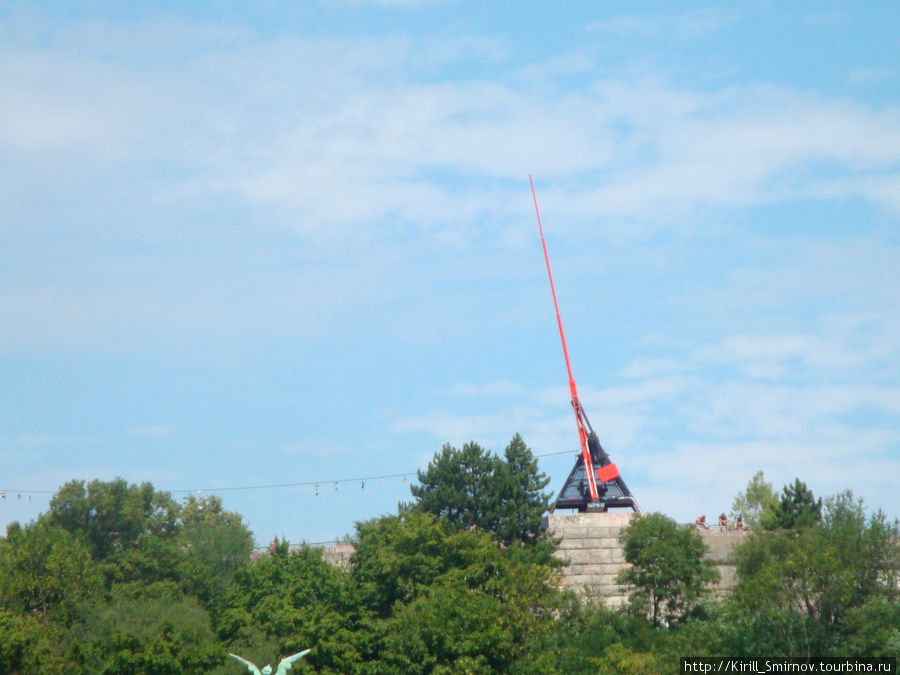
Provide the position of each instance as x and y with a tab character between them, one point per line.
612	493
594	483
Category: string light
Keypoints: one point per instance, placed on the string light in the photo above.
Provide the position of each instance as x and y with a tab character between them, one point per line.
233	488
315	485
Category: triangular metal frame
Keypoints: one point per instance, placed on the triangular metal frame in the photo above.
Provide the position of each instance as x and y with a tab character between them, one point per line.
613	494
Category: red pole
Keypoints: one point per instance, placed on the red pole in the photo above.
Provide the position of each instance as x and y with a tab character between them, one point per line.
573	390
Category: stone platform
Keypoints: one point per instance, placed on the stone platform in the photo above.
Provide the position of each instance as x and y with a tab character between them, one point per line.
590	542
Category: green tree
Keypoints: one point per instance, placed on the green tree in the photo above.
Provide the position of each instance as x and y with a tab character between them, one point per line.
109	576
114	516
757	499
146	630
447	600
471	488
285	602
45	570
447	629
132	531
17	632
589	637
668	575
216	543
522	502
398	557
827	589
797	509
458	487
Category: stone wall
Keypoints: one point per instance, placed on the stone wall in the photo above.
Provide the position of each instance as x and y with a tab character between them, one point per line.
720	547
590	542
338	554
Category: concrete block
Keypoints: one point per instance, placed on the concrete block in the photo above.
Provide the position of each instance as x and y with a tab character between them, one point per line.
601	556
618	556
611	555
580	555
591	542
571	542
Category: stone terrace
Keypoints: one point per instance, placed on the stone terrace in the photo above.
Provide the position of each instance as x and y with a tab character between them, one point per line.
590	542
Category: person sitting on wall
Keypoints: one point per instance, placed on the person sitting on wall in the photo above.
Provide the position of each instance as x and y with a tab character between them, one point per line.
723	521
739	523
701	523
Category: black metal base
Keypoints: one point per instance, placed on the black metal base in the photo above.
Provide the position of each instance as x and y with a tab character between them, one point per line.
575	493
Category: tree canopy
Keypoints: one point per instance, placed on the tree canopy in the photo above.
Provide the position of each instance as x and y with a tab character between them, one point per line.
114	517
825	587
448	600
797	509
120	578
754	502
668	574
471	488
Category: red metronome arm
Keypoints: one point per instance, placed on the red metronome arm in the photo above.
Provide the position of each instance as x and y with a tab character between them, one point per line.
573	390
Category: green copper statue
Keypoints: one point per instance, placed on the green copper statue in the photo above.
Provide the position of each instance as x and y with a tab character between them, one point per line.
283	667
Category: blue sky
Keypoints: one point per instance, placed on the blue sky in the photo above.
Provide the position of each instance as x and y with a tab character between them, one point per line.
246	247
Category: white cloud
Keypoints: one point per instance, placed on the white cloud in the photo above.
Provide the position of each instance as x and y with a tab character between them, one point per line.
679	25
354	141
703	423
185	189
773	350
456	429
498	388
313	447
650	367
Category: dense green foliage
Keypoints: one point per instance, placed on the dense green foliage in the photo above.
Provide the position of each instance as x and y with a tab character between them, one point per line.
470	488
829	588
288	601
668	574
119	578
756	500
445	599
797	509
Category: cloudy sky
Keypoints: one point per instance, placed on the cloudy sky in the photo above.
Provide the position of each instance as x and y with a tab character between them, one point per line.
295	246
